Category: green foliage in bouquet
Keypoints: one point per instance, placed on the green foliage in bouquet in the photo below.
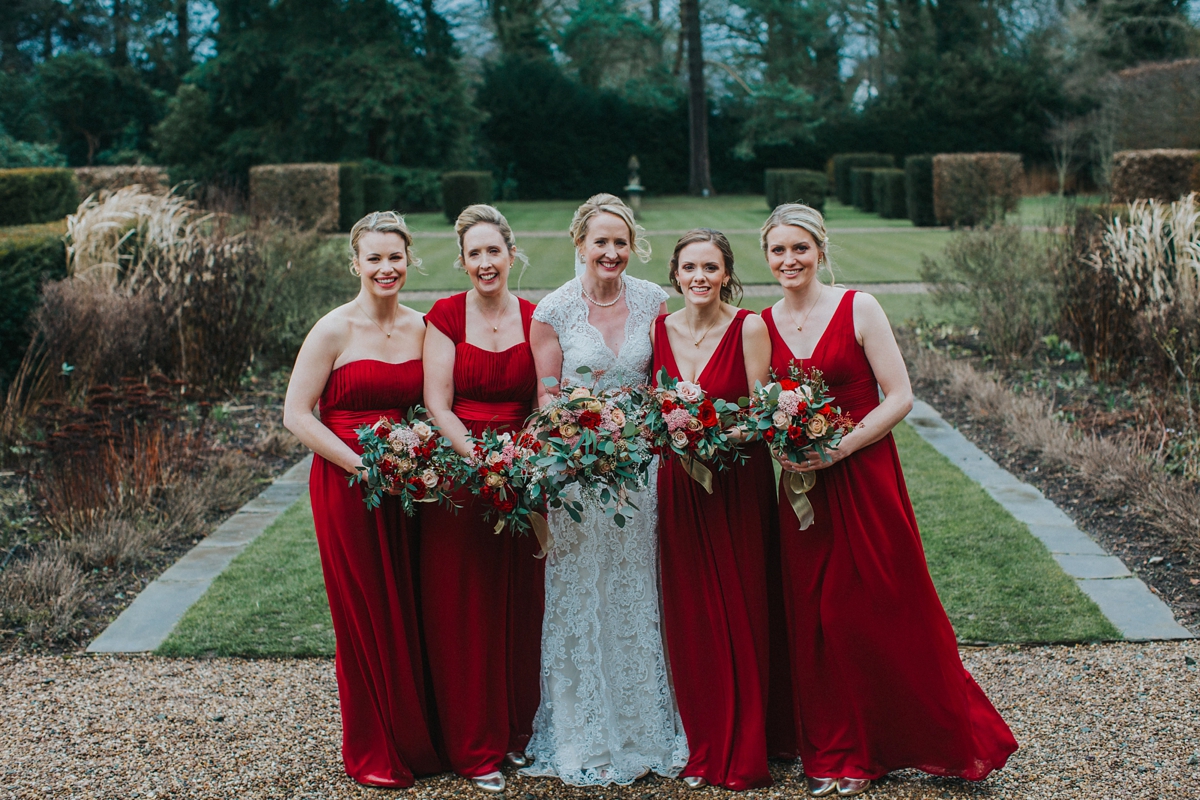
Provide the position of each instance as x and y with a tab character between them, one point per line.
408	459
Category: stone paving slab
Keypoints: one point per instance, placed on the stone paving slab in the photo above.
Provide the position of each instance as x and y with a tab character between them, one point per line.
1126	601
151	617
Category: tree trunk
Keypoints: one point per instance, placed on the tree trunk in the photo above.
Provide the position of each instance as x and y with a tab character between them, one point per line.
120	23
700	178
183	38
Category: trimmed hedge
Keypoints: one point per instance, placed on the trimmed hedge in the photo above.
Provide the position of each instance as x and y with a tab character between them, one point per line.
29	256
378	193
888	186
975	188
462	189
1163	175
844	162
795	186
304	194
403	189
96	179
37	194
862	189
918	190
350	195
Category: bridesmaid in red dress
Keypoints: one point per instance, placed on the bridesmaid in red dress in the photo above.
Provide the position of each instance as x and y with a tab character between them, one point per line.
711	546
876	671
482	593
362	361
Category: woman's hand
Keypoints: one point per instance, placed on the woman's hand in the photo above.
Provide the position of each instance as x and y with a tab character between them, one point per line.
736	435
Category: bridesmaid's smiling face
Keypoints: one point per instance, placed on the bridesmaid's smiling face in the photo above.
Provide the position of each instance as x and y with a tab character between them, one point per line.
701	273
486	258
792	255
607	246
382	262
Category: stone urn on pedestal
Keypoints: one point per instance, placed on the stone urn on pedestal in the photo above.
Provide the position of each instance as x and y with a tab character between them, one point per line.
634	190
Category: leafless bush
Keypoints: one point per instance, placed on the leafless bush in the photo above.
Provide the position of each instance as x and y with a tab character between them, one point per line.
43	593
112	541
222	486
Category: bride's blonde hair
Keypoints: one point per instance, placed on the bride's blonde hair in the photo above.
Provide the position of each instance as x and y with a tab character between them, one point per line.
609	204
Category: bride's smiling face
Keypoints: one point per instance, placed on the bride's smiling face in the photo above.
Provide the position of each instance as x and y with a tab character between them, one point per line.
607	246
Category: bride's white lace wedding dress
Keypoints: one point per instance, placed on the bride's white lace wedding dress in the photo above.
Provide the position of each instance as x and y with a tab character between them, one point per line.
607	711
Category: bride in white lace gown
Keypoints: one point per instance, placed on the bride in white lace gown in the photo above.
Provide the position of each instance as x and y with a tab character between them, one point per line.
607	712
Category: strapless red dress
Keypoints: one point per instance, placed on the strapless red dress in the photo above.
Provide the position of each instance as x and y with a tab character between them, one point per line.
369	562
714	588
878	680
482	592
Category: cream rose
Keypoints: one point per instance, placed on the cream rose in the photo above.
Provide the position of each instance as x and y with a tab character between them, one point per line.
429	478
424	432
494	479
689	392
679	439
405	465
493	458
595	405
817	426
618	417
781	419
580	392
693	424
568	430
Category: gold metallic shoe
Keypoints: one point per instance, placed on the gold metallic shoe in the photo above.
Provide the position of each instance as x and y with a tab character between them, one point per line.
518	760
849	787
694	782
821	787
492	783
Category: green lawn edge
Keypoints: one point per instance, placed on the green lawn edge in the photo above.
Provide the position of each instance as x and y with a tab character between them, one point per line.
271	602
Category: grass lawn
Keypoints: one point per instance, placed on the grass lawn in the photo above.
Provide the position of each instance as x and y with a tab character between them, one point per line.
998	583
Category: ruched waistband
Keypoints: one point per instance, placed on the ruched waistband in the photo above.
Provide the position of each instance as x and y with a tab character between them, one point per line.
344	423
480	411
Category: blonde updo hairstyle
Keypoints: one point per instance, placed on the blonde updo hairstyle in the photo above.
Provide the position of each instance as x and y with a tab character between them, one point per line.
482	214
382	222
731	292
609	204
800	216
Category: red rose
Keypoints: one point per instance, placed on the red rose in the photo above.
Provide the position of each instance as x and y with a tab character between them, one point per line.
589	419
668	406
796	434
707	414
827	410
788	385
769	434
507	504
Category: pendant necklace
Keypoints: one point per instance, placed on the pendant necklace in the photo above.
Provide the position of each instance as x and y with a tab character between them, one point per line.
596	302
800	324
368	316
494	322
696	342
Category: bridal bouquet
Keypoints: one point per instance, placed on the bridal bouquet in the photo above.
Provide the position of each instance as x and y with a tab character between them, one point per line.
406	458
681	420
503	473
592	438
795	416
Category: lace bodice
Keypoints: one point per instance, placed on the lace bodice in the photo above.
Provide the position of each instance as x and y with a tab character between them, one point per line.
566	311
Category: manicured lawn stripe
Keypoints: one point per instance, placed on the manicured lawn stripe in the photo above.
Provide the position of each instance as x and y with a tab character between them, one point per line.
997	582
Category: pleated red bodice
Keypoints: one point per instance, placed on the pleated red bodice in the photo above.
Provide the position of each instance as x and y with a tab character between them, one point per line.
360	392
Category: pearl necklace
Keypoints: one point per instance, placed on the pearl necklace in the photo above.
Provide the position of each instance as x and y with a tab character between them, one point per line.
596	302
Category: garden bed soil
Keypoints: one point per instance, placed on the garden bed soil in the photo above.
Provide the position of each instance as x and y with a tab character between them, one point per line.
1171	571
250	425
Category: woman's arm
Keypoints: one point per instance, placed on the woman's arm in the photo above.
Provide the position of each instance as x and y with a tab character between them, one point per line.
314	363
883	354
547	358
438	360
756	351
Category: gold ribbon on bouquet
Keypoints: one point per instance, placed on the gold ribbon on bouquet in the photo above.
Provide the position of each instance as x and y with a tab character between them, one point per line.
541	529
796	486
700	473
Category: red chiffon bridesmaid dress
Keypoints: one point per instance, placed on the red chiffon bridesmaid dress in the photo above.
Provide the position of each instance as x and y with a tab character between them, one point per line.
482	592
714	589
877	676
369	562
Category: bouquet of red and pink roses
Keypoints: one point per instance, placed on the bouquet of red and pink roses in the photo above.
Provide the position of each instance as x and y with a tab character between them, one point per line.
503	473
407	458
683	422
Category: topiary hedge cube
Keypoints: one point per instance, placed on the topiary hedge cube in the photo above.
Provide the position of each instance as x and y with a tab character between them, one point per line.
379	193
305	195
462	189
96	179
844	162
795	186
888	187
1165	175
918	190
975	188
29	256
35	195
862	195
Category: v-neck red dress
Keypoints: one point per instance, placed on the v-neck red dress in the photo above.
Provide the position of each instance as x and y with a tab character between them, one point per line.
714	588
878	680
369	563
482	593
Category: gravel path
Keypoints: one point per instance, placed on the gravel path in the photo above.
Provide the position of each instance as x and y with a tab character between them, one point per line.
1094	721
